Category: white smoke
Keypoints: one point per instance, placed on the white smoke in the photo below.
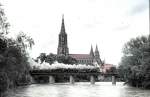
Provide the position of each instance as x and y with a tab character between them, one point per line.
56	65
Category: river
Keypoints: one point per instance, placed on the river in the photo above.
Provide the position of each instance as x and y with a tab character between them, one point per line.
80	89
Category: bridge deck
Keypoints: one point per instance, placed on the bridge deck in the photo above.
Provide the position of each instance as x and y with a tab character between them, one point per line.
46	73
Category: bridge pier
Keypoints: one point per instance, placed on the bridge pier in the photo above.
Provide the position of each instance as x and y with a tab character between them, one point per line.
113	80
32	80
51	79
72	81
92	80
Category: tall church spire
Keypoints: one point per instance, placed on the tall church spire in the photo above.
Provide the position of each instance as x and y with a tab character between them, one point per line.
62	25
62	44
96	52
91	52
96	49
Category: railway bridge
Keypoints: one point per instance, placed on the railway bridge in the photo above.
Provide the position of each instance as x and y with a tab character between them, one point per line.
47	76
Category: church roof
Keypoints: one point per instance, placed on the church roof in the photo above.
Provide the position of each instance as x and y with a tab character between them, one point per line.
80	56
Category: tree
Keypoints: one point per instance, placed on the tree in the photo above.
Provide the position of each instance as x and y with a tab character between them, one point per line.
3	82
51	58
135	63
14	66
24	41
4	25
66	59
71	60
42	57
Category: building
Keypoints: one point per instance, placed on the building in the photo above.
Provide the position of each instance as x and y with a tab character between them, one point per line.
107	67
63	49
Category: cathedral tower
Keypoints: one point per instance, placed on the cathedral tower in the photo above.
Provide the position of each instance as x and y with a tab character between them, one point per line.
62	44
97	56
96	53
91	52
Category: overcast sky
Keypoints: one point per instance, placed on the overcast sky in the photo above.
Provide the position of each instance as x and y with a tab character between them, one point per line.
107	23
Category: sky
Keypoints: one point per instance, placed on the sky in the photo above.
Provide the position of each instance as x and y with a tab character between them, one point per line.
107	23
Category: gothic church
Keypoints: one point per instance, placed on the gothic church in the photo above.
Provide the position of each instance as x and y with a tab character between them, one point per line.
81	58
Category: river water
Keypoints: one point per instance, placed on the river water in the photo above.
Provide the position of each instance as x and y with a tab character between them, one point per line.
81	89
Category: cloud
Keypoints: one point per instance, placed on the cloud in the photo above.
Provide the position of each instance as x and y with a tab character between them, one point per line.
140	7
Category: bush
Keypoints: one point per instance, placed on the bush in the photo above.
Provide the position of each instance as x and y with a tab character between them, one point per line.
3	82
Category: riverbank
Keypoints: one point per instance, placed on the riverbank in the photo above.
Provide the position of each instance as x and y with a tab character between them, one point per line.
9	91
12	90
144	86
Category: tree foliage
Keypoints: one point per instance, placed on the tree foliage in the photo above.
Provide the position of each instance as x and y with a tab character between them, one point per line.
14	62
4	25
14	66
3	82
42	57
66	59
135	63
51	58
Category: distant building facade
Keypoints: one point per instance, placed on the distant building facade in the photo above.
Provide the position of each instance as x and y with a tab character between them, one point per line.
107	67
81	58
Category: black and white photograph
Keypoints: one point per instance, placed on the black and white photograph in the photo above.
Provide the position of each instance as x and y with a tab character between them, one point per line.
74	48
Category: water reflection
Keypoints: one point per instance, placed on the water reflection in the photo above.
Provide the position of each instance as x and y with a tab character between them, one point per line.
100	89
